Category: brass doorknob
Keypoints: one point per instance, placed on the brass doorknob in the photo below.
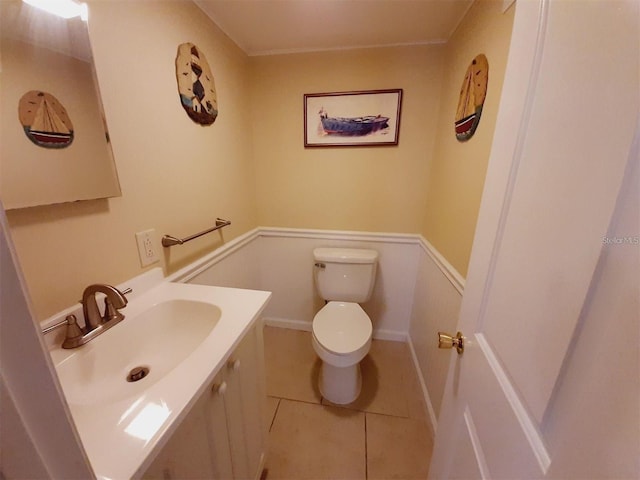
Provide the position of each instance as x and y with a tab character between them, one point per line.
447	341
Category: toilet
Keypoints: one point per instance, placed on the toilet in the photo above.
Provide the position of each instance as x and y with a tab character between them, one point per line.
342	330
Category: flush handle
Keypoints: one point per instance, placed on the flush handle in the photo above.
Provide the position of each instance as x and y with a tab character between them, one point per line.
447	341
320	265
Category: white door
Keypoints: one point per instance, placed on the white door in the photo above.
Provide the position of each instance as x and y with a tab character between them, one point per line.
548	384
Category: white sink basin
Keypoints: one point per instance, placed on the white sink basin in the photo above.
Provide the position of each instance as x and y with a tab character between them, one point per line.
158	339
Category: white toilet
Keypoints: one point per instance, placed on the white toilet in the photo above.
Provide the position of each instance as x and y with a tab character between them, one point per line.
341	329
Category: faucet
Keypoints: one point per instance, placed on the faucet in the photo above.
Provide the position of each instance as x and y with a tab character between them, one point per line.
113	301
95	324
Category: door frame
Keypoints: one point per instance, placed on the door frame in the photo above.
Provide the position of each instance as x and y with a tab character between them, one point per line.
30	380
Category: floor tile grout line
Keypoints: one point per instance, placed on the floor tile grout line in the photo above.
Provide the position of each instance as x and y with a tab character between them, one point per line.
408	416
324	405
300	401
275	414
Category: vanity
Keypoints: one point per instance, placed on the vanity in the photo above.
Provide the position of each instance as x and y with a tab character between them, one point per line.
176	390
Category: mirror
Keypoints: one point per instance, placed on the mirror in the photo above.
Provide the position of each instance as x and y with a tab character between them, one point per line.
54	144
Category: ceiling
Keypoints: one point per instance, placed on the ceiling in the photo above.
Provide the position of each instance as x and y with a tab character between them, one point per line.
265	27
68	36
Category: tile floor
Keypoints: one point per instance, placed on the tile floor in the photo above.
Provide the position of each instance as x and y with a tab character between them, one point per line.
383	435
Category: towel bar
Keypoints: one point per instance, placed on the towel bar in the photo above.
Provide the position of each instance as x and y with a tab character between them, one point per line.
169	241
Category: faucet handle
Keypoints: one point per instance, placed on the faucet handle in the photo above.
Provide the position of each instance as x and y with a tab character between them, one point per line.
111	312
74	333
113	301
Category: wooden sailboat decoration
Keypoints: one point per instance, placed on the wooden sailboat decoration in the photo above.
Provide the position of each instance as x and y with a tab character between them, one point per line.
44	119
472	96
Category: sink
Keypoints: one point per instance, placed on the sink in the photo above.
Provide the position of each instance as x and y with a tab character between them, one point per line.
184	334
158	339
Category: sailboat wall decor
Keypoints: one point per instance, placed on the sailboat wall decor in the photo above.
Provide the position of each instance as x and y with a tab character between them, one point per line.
45	120
472	95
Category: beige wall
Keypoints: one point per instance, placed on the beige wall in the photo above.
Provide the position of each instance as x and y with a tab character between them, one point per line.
457	173
251	166
380	189
176	176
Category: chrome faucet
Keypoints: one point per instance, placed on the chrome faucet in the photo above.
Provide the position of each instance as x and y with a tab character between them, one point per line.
113	301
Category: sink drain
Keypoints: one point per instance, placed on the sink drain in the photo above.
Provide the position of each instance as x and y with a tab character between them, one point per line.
137	373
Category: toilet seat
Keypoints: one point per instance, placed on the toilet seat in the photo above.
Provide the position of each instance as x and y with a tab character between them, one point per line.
342	328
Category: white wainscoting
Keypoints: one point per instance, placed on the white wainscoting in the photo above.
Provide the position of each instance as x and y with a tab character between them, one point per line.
281	261
417	291
235	264
287	271
436	305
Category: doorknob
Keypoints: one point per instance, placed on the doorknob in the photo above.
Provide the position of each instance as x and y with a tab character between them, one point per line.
447	341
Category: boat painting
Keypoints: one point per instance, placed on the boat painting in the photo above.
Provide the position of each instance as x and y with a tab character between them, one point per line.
366	118
44	120
356	126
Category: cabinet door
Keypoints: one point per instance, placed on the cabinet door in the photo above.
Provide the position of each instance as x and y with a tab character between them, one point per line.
224	435
245	406
186	454
218	434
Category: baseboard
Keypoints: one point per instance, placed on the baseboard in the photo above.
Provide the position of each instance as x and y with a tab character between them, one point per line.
286	323
431	414
390	335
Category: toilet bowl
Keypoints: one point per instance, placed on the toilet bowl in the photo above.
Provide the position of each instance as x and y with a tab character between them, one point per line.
342	338
342	330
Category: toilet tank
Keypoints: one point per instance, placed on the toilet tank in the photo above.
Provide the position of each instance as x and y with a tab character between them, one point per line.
345	274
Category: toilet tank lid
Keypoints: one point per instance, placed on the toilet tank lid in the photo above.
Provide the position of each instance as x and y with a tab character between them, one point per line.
345	255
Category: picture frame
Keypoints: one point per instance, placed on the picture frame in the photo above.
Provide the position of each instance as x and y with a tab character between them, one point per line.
352	119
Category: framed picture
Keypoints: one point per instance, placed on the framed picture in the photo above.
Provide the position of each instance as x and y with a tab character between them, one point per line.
352	119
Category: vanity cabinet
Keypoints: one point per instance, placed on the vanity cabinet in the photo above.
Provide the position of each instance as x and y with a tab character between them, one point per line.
224	435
